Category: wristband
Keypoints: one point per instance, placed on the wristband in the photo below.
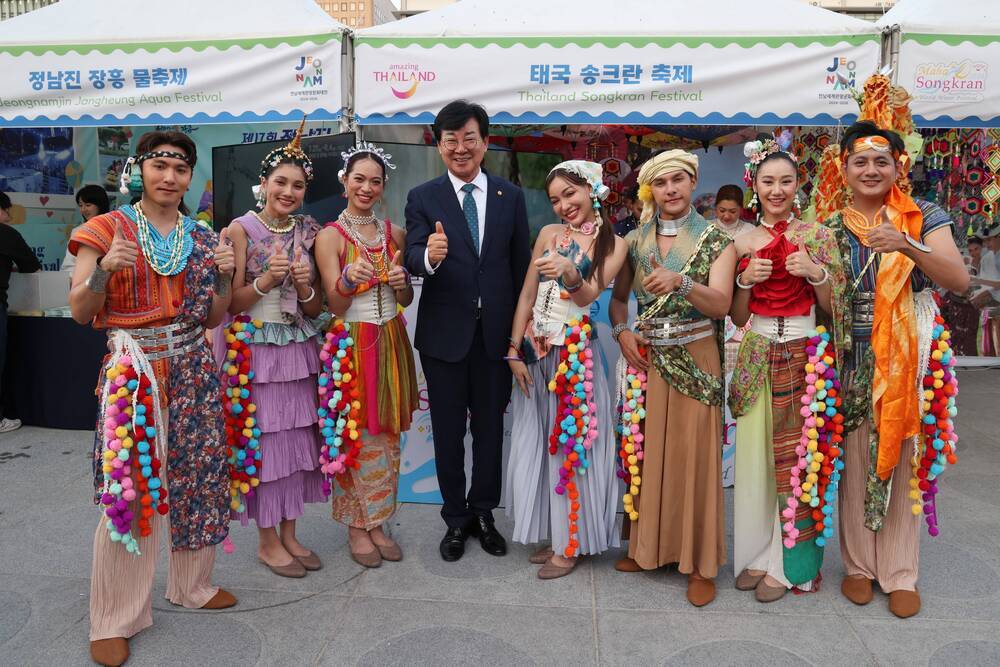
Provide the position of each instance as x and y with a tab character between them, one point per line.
686	286
917	245
617	330
257	289
312	295
348	283
741	285
97	281
823	279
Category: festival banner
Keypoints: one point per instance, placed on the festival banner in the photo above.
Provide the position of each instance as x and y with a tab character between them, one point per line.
949	77
225	81
805	81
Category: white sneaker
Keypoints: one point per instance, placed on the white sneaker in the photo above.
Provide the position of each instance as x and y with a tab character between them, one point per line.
8	425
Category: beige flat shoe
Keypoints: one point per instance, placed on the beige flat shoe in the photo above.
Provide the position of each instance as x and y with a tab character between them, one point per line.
371	559
542	556
747	581
552	571
767	593
311	562
293	570
391	553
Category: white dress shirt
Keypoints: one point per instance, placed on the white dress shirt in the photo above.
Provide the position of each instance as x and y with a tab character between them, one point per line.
478	196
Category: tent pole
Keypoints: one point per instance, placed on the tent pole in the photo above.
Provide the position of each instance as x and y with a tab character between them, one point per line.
895	37
347	120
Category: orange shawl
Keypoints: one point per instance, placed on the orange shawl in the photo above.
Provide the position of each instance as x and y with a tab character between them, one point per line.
894	341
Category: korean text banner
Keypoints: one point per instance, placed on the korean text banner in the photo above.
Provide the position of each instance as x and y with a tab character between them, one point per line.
804	81
949	77
190	82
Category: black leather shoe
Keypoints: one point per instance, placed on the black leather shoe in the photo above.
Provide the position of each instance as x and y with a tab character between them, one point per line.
453	544
491	540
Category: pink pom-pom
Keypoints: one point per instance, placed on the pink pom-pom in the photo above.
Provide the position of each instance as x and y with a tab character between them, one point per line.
801	450
811	422
228	546
792	502
788	526
125	360
789	543
811	378
793	533
797	490
128	494
804	410
788	513
638	436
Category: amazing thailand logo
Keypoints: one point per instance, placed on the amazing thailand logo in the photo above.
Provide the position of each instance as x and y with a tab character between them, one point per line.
404	79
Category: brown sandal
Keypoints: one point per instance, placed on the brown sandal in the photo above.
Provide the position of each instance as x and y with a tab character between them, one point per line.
310	561
552	571
542	556
370	559
747	581
292	570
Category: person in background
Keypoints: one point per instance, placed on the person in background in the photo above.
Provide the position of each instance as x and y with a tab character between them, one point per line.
634	206
14	252
959	311
92	200
728	207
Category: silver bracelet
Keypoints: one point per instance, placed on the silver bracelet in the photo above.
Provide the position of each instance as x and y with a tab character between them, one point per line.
826	277
917	245
741	285
686	286
312	295
617	330
222	284
257	289
97	281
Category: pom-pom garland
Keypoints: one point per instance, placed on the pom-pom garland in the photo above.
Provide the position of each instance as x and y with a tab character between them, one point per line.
633	413
939	387
128	458
339	405
815	476
242	431
576	426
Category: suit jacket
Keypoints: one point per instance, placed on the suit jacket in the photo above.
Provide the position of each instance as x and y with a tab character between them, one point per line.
446	315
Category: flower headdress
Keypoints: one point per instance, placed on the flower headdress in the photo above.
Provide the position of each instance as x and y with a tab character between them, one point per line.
591	172
755	152
371	149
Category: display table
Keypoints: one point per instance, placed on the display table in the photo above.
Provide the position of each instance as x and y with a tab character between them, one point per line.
51	372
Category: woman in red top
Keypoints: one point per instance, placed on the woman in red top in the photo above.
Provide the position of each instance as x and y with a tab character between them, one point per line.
788	267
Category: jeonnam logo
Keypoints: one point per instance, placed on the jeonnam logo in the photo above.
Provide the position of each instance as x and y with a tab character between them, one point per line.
404	79
309	72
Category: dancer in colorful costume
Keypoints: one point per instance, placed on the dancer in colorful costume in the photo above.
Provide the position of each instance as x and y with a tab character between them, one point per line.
789	271
155	280
368	388
681	270
895	248
566	487
275	469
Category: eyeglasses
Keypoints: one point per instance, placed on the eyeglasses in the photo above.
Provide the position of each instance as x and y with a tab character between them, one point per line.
452	144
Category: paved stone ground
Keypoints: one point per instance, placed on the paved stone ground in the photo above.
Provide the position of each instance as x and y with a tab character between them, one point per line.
492	611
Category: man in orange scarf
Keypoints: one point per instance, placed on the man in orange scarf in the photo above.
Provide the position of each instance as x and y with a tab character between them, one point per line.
897	249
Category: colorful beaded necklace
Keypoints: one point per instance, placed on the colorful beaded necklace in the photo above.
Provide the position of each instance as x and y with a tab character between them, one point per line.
168	255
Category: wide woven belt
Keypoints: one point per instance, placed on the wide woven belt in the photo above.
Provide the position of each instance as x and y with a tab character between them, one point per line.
783	328
665	331
170	340
863	308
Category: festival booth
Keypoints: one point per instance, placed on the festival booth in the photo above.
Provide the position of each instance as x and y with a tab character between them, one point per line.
942	53
77	84
571	80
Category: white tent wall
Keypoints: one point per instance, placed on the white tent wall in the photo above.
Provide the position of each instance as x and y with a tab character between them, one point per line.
716	62
208	62
943	53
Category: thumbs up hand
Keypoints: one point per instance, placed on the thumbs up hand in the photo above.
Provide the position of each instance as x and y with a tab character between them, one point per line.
758	270
122	253
553	266
437	244
225	258
885	237
800	264
301	273
660	281
277	263
398	278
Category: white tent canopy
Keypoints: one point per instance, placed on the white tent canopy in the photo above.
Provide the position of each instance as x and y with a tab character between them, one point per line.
946	53
718	61
113	62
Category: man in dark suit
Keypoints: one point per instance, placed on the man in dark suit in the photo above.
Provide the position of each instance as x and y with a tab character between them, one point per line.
467	235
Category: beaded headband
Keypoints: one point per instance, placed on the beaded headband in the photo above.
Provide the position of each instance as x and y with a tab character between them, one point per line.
126	179
756	151
370	149
290	154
